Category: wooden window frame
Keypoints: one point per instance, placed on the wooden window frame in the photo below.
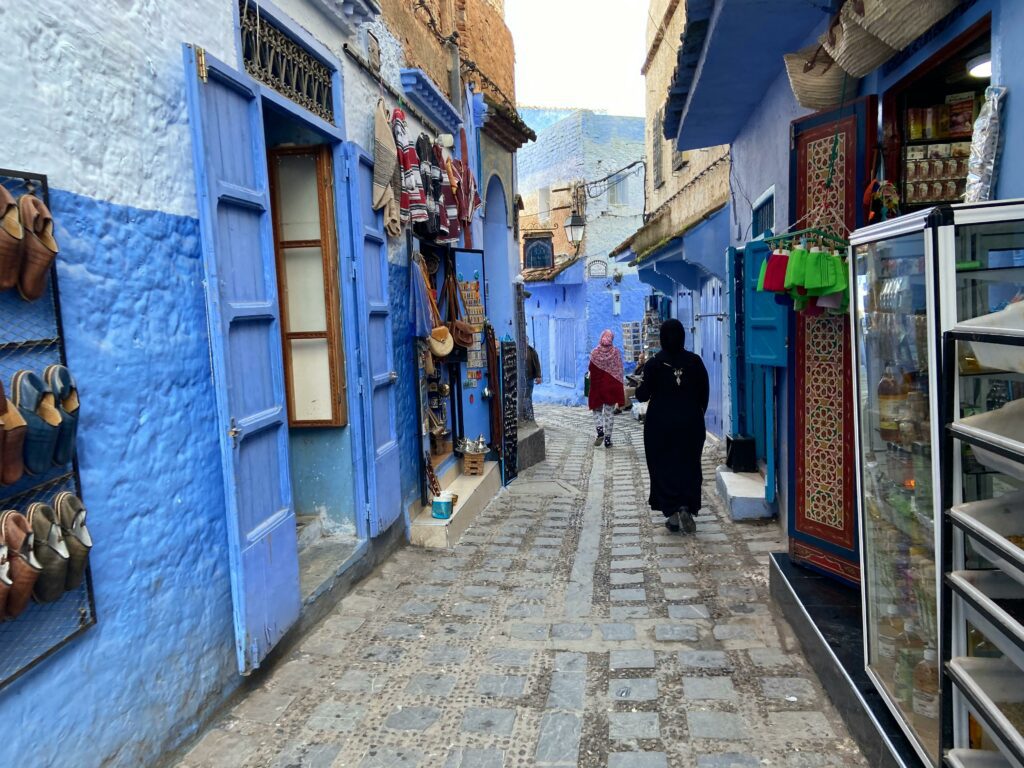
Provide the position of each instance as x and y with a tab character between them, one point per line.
657	151
328	245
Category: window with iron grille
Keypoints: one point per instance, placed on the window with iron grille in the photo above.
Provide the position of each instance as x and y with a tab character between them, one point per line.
273	58
656	149
764	215
538	253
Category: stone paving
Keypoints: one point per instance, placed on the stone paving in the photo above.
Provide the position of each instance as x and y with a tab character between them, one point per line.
568	628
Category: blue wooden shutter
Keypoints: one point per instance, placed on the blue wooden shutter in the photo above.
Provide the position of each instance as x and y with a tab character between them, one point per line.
245	344
764	321
376	355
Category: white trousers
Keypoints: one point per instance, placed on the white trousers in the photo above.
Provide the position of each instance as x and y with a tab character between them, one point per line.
603	419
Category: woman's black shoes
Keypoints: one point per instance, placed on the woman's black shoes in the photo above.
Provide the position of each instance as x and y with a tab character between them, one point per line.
599	438
681	521
607	442
672	523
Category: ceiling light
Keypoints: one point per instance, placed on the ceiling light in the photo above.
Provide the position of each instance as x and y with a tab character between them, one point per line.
980	66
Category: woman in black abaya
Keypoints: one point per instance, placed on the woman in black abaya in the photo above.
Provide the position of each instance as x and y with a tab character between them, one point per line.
675	382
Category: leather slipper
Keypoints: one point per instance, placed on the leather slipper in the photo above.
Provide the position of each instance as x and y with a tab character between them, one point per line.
65	397
12	441
39	249
11	236
5	580
51	552
71	516
24	570
34	401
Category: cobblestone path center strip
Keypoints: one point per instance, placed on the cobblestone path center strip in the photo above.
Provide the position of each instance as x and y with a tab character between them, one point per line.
567	628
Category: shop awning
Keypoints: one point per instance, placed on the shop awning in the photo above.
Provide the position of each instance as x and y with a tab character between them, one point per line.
656	280
691	256
731	52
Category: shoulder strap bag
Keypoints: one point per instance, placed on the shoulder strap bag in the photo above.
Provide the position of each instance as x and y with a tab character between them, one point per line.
462	332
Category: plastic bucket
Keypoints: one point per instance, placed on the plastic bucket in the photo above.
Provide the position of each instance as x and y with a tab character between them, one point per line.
441	507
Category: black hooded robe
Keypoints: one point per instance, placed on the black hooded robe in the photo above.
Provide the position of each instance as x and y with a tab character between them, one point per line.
675	386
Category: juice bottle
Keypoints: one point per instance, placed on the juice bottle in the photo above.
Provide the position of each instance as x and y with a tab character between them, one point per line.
926	699
890	627
909	653
891	398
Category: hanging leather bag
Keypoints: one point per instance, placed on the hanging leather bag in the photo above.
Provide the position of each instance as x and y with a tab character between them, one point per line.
462	332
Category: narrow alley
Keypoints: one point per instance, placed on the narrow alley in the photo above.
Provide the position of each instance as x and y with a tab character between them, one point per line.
567	628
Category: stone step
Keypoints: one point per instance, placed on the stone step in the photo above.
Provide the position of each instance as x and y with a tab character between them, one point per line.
743	494
474	492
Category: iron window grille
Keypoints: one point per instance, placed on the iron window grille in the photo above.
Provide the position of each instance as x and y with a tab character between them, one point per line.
538	253
279	62
763	218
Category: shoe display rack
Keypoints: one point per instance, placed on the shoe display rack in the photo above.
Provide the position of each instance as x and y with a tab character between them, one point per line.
31	337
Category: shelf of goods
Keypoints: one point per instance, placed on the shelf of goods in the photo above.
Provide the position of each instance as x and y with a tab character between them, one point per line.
938	350
986	603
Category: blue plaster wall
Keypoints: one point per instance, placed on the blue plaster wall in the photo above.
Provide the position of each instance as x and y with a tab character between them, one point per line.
322	475
162	656
558	301
587	145
540	119
406	405
633	302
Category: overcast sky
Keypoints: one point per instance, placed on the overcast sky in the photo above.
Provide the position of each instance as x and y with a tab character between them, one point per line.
595	46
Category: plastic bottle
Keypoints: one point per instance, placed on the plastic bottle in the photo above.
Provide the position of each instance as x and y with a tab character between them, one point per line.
891	399
890	627
909	653
926	698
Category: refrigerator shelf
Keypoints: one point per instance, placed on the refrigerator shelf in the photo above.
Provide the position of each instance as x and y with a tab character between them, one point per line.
985	684
975	758
989	524
994	603
1000	450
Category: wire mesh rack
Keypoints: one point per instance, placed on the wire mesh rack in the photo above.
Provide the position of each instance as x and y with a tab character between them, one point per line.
31	338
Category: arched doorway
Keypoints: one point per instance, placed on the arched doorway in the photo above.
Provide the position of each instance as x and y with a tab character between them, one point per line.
501	259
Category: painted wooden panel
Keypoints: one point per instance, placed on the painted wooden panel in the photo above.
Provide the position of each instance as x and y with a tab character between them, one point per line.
245	343
377	354
710	326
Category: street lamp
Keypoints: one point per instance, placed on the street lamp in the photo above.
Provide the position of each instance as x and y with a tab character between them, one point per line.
574	226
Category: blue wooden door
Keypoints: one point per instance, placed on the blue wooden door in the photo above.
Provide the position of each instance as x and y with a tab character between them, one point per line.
711	320
684	314
476	411
369	259
765	321
245	345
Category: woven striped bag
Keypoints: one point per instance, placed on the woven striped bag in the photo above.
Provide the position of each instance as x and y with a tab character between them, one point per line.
898	23
817	81
852	47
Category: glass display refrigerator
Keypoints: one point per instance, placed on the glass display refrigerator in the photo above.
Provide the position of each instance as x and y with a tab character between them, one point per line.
938	339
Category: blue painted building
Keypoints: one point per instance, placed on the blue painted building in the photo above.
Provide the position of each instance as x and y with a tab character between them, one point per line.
773	141
238	324
590	164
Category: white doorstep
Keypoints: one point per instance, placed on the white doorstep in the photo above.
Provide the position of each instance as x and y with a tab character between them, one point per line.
743	493
474	492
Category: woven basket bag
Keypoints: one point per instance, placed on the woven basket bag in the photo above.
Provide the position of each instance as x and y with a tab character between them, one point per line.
852	47
817	81
898	23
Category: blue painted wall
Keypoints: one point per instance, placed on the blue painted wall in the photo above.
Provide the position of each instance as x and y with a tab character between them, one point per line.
584	145
162	655
633	301
322	476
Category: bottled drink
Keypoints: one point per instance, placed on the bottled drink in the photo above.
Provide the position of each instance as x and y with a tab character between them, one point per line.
909	653
891	398
926	699
890	627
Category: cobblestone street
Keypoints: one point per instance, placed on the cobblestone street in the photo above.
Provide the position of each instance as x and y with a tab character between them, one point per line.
568	628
